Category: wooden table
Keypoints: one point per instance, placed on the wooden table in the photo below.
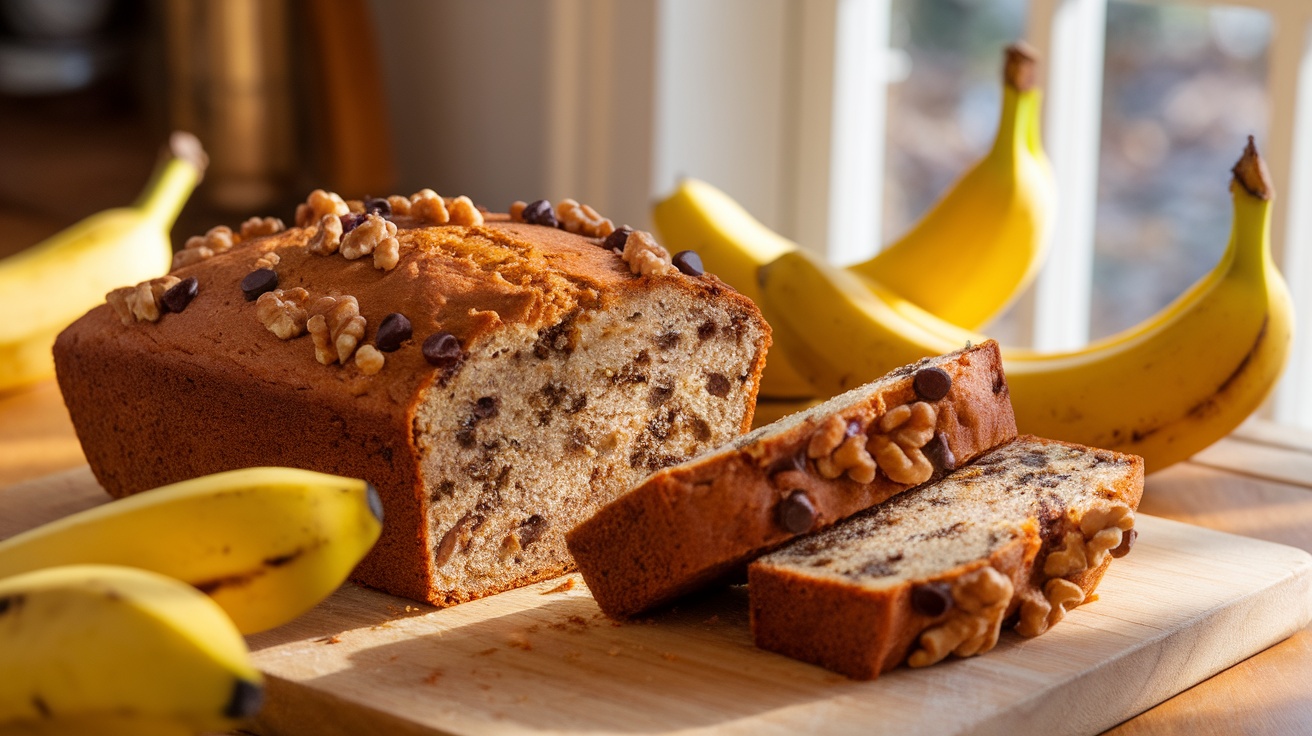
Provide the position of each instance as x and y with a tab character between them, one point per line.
1256	483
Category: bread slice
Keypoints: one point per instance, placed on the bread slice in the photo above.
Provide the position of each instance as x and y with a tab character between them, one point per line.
702	521
565	379
1027	529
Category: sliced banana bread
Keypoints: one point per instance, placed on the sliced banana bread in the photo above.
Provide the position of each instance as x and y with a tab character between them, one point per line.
1027	530
702	521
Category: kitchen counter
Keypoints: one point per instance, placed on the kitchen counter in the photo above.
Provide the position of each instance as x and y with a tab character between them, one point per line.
1256	483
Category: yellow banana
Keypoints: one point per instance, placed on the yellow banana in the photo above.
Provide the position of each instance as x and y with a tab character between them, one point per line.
984	241
266	544
1164	389
47	286
106	649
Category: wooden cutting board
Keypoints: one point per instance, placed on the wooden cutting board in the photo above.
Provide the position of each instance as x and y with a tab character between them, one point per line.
1187	603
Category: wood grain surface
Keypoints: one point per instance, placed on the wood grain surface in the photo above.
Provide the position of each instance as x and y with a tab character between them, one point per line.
1225	487
1186	604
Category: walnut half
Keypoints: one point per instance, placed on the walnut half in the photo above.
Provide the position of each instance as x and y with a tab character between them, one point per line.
903	431
981	599
337	328
141	303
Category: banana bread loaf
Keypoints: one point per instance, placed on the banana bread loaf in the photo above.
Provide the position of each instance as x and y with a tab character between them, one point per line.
497	379
702	521
1026	530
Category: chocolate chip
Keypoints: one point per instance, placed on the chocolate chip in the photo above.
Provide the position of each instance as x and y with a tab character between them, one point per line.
796	461
795	513
378	206
442	349
932	384
931	599
1127	541
617	239
351	221
392	331
487	407
940	453
258	282
539	212
717	385
688	262
180	294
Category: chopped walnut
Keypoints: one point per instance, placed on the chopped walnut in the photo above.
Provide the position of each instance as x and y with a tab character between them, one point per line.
355	206
426	205
319	204
282	311
903	431
837	450
1038	613
1100	531
257	227
374	233
517	210
645	256
337	328
582	219
463	212
199	247
327	237
400	205
141	303
369	359
268	260
981	599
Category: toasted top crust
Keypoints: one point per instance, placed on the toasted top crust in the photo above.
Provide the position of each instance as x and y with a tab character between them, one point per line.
468	281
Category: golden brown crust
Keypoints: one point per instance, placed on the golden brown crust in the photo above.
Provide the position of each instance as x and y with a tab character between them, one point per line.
690	525
216	365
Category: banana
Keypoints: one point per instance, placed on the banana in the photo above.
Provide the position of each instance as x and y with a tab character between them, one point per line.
1163	389
266	544
107	649
47	286
732	245
985	240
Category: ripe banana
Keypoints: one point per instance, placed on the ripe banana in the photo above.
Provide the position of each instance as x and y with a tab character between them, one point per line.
984	241
45	287
266	544
107	649
1163	389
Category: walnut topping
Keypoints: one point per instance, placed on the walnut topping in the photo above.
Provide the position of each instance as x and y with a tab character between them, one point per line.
370	236
337	328
369	360
400	205
1100	530
975	621
517	210
645	256
328	237
582	219
282	311
903	431
1038	613
355	206
319	204
141	303
199	247
463	212
268	260
839	447
426	205
257	227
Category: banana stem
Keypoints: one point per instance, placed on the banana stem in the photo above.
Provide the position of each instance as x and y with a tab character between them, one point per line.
1250	235
173	180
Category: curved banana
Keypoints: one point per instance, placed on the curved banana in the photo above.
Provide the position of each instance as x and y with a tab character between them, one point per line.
984	241
266	544
1163	389
47	286
119	650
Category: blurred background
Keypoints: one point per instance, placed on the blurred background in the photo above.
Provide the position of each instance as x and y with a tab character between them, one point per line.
611	101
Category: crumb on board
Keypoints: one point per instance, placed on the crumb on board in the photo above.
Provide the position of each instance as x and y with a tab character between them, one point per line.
568	585
334	639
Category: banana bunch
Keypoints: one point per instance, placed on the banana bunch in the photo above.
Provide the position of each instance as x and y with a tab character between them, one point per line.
983	242
128	617
45	287
1163	389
